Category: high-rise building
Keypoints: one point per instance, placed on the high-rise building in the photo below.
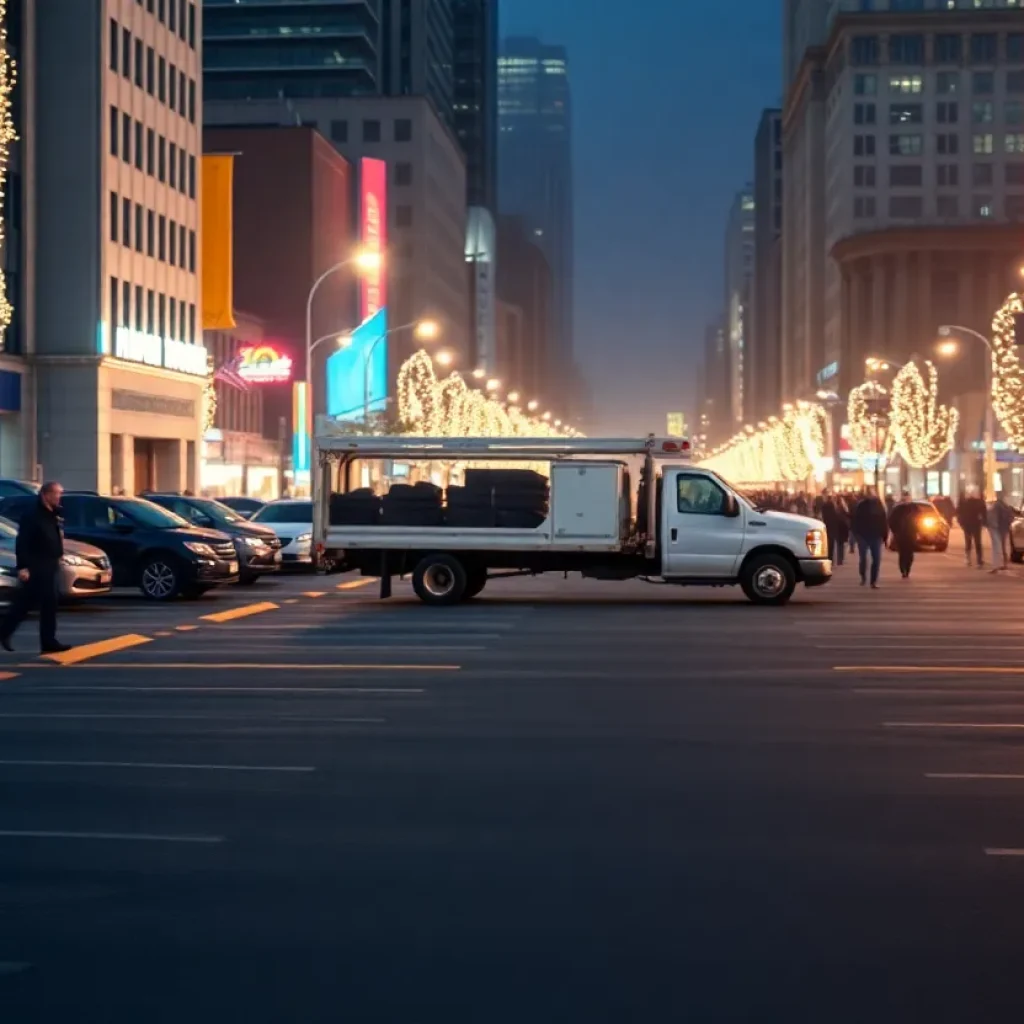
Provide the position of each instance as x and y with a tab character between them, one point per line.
259	49
418	52
119	356
715	419
476	98
535	179
739	270
762	379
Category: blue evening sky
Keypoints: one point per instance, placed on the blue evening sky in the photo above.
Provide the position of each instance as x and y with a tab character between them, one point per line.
666	99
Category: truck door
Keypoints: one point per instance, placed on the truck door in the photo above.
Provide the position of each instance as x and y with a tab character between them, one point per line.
700	537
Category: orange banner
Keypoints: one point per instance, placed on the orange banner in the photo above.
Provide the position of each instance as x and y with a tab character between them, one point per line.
217	268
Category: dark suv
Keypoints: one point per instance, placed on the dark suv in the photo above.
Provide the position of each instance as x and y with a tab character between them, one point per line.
148	547
259	550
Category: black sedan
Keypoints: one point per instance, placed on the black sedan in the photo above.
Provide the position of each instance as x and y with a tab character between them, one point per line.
245	507
931	530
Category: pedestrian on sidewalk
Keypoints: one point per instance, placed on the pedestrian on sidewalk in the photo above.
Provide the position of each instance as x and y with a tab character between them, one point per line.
1000	518
38	549
972	515
837	526
903	527
871	526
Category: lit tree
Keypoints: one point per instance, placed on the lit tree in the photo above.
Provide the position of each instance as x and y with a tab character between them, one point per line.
862	418
922	430
8	135
1007	382
209	396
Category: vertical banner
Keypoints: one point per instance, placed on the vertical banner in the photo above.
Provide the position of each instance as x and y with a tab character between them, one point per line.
216	223
300	428
373	232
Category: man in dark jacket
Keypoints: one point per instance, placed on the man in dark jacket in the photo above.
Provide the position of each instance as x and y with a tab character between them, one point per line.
903	527
837	526
871	527
972	514
39	549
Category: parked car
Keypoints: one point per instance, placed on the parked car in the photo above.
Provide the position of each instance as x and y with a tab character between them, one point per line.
245	507
932	530
8	576
84	570
9	487
292	520
148	547
258	547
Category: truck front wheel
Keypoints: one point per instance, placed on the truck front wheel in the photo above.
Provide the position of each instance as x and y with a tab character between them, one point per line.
439	579
476	580
768	579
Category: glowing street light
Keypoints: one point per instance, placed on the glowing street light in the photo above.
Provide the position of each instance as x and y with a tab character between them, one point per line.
479	373
533	405
427	330
368	260
513	396
494	385
948	348
444	358
558	423
546	416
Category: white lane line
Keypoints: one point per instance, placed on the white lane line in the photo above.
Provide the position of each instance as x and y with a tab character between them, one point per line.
1003	851
338	690
75	716
125	837
12	763
974	775
953	725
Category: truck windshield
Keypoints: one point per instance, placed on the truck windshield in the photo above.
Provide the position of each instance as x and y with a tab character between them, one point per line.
733	489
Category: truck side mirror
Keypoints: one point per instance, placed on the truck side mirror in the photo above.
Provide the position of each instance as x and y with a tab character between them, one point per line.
732	507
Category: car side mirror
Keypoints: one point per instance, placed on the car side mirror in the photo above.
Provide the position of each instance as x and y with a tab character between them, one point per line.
732	507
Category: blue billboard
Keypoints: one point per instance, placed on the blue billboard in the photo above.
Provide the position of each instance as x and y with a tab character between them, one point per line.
351	382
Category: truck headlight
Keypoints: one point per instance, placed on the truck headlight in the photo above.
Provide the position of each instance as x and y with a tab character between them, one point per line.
816	543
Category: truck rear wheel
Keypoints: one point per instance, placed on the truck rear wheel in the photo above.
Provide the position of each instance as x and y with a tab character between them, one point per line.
768	579
439	579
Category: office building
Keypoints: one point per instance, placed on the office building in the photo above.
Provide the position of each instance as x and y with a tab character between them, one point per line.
739	271
418	52
762	380
535	180
715	416
119	355
476	98
287	50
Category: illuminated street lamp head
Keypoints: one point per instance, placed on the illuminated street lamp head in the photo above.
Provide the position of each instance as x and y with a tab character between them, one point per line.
368	260
533	406
493	384
344	341
479	373
558	423
513	397
427	330
444	358
546	416
948	348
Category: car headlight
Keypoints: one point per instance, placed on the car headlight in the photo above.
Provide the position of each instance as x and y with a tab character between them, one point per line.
254	542
5	571
199	548
74	560
816	543
304	538
929	523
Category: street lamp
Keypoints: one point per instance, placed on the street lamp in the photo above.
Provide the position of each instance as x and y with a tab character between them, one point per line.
533	405
546	416
493	385
341	340
513	397
949	347
479	373
444	358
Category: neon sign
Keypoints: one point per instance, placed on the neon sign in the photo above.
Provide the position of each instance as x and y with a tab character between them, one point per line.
264	364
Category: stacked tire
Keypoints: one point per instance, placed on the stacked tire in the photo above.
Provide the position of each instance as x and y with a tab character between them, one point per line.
416	505
518	498
357	508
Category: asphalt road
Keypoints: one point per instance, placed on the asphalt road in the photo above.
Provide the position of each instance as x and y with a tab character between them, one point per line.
567	801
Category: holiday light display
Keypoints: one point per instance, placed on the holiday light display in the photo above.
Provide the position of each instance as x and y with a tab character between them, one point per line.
1007	376
862	417
922	430
209	396
8	135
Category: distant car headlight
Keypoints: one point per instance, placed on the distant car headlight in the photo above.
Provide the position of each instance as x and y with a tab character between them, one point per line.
929	523
199	548
76	560
816	543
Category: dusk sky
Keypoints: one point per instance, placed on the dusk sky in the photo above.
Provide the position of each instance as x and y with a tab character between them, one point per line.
666	100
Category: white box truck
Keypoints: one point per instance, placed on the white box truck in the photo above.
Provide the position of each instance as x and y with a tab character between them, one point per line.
612	510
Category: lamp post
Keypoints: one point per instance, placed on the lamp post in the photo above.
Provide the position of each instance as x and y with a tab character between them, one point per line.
949	347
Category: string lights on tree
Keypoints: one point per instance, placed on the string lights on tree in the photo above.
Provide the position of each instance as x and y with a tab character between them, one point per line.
922	430
1007	378
862	415
209	391
8	135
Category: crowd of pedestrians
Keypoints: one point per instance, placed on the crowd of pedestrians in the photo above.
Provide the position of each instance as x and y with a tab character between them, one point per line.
863	523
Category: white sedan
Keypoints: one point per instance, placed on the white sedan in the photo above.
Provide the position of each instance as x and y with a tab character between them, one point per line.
292	520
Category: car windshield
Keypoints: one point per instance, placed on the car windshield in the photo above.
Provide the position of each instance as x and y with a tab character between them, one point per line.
145	513
217	512
285	512
7	528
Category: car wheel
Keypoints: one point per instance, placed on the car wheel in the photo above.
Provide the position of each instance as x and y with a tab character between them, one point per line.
768	579
160	580
439	579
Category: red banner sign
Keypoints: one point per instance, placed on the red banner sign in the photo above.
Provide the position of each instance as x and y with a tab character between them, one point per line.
373	220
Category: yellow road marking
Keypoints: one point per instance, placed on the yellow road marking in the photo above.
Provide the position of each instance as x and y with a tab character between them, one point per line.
240	613
253	666
356	584
314	593
1006	670
185	629
79	654
8	675
292	600
163	632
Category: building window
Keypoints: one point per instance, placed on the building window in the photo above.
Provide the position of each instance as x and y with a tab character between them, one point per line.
191	177
172	306
192	252
905	113
1014	142
192	323
161	315
905	207
191	101
1015	82
181	246
906	48
150	310
115	301
904	85
173	164
150	151
1015	174
371	131
982	112
403	129
981	207
161	80
181	318
1013	208
947	83
947	144
150	70
114	204
865	84
863	145
947	112
139	240
905	145
983	83
126	304
1015	46
949	48
192	25
1014	112
172	15
403	173
182	95
948	174
864	50
182	184
984	47
162	238
864	113
138	307
182	21
115	36
172	86
906	176
126	138
126	53
172	230
138	63
162	161
138	145
948	207
126	223
864	206
115	120
864	176
981	175
403	216
150	233
339	131
983	143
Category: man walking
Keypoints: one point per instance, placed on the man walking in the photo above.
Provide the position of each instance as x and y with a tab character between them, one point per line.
871	527
39	549
903	527
1000	518
972	515
837	526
